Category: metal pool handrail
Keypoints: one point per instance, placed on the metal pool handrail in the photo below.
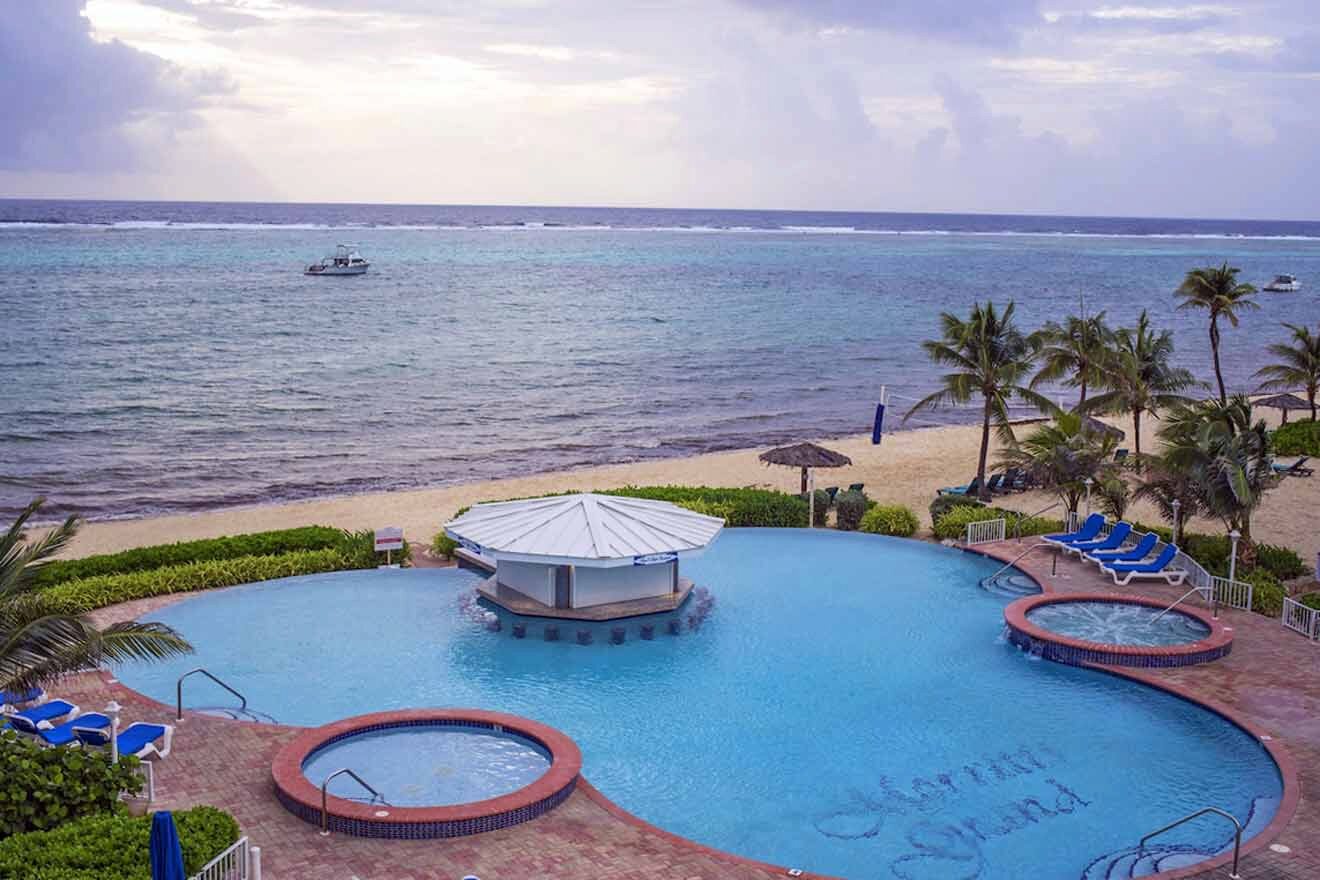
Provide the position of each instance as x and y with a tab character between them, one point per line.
178	691
325	812
1237	833
1016	559
1176	603
1017	526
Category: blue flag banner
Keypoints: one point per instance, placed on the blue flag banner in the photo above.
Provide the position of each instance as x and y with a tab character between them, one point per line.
879	424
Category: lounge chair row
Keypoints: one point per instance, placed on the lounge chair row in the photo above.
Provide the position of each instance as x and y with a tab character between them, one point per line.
61	723
1120	553
1011	480
1297	469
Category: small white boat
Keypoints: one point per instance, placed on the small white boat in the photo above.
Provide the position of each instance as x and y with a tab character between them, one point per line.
344	261
1284	284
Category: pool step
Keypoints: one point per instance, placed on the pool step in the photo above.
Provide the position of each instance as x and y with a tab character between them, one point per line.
1131	863
1010	585
234	713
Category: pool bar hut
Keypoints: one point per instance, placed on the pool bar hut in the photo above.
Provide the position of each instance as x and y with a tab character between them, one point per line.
583	556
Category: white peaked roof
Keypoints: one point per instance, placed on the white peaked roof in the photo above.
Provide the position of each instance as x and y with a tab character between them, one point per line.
585	529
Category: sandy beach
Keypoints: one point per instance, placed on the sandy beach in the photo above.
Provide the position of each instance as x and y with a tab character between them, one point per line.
907	468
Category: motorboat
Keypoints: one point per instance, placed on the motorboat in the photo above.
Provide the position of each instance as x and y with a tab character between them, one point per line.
344	261
1284	284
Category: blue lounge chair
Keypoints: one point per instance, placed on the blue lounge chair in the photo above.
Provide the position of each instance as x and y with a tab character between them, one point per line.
1088	532
1140	551
1154	568
972	488
17	699
64	735
41	717
1297	469
139	738
1113	541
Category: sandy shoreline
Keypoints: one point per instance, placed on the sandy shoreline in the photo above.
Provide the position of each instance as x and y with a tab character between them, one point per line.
906	469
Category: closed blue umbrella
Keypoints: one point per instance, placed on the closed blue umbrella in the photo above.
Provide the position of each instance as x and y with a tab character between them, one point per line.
166	855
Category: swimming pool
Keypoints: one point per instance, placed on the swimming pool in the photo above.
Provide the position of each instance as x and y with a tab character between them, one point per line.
848	706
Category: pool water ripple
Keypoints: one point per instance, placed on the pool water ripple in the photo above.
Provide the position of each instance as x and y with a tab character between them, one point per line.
845	707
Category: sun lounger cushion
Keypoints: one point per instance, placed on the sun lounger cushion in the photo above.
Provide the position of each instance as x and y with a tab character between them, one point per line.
1115	539
138	735
1158	564
1094	523
1137	553
63	735
29	719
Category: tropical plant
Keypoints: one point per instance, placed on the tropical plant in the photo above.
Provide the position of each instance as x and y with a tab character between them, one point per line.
849	506
890	519
990	357
1062	455
44	788
1297	438
1163	484
1298	365
39	642
1073	352
1139	377
1226	459
1113	495
1217	290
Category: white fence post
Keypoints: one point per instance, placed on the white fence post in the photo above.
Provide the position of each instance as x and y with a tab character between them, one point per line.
986	531
232	864
254	863
1234	594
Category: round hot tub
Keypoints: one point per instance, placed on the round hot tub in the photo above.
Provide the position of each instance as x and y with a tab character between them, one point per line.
1119	630
426	773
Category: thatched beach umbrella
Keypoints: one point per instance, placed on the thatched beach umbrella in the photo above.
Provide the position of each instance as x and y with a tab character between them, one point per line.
806	456
1095	426
1286	402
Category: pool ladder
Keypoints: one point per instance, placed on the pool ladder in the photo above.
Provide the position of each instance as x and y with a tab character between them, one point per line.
376	797
1016	559
178	692
1237	833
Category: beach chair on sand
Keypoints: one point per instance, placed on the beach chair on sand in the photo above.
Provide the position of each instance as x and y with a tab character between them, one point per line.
972	488
1120	455
1155	568
1088	532
831	491
139	738
1012	477
856	487
40	717
1113	541
1297	469
1136	553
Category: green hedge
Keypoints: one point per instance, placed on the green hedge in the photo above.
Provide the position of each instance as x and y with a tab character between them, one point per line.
113	846
77	597
43	788
1267	593
741	507
1297	438
1311	600
145	558
952	524
849	508
890	519
944	503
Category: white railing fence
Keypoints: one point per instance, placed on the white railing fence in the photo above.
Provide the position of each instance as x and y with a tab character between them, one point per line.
986	531
240	862
1073	521
1300	618
1234	594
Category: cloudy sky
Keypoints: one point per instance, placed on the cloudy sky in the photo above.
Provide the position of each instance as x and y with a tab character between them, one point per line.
1060	106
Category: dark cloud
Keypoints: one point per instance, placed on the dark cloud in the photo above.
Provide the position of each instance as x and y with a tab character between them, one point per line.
996	23
74	104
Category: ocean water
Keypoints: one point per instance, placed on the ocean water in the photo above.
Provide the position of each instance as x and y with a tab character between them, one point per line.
846	705
171	357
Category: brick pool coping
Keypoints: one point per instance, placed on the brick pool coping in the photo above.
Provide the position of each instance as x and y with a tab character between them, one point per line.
1078	652
1289	770
303	799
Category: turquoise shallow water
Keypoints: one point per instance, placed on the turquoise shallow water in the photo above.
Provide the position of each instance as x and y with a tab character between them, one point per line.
167	358
1113	623
845	704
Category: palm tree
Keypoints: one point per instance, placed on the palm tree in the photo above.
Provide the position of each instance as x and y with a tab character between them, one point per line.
1073	351
1298	365
37	642
1138	377
989	357
1225	458
1162	484
1062	455
1217	290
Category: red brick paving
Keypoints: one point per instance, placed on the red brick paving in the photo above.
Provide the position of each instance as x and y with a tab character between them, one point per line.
1270	679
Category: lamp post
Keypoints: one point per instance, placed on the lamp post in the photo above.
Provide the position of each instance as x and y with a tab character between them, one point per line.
1232	559
113	709
1177	506
1088	481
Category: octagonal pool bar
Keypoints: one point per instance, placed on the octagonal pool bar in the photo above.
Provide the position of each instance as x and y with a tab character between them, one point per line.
375	817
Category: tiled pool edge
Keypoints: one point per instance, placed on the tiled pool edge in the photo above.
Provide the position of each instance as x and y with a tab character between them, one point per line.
1078	652
296	792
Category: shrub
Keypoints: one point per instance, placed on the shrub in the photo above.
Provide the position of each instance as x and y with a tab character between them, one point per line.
952	524
146	558
745	507
358	550
113	846
86	594
44	788
944	503
849	507
1031	525
443	545
890	519
1267	593
1297	438
1311	600
822	507
1282	562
